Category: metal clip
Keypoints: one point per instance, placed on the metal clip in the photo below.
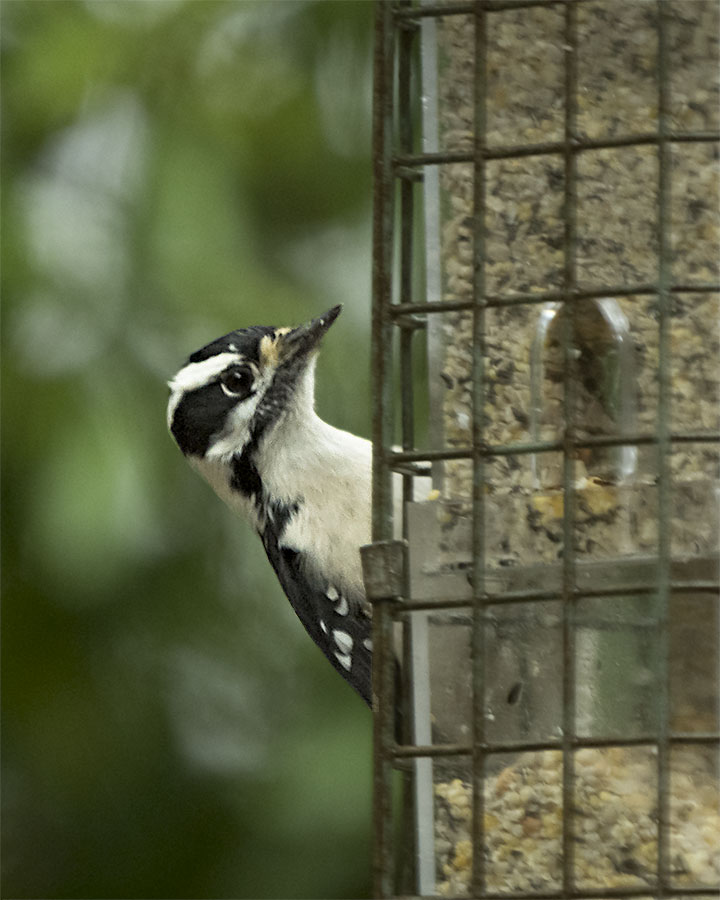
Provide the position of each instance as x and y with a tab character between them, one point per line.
383	565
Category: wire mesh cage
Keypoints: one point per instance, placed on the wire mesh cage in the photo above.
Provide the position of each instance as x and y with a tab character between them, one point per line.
547	231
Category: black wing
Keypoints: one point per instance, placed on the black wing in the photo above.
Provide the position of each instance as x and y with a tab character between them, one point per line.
335	622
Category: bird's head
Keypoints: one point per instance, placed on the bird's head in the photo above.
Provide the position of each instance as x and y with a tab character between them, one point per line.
240	387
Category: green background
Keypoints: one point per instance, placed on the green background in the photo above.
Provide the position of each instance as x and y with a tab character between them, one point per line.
171	170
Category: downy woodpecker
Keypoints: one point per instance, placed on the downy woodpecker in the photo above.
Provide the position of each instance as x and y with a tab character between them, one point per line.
242	411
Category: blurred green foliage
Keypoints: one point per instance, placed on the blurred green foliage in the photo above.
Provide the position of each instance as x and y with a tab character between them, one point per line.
171	170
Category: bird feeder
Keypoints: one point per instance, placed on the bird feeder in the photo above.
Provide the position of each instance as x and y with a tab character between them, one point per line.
547	231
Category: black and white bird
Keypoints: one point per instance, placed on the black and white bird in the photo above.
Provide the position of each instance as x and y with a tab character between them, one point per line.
242	410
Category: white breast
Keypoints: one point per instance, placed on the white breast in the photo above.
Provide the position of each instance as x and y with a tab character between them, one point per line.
329	472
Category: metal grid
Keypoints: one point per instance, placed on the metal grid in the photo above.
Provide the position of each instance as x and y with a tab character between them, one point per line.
397	308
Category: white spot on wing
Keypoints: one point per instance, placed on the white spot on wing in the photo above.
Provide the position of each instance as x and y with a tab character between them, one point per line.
344	660
323	626
343	640
367	644
332	593
342	607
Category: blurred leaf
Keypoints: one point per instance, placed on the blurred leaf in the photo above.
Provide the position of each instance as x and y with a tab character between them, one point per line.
172	170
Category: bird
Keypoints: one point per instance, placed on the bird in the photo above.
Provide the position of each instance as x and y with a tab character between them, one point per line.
242	411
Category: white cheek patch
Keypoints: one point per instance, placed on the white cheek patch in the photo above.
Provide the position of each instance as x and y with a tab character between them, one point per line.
236	432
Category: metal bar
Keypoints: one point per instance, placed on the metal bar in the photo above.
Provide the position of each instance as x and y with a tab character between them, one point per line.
441	9
478	459
691	438
638	625
399	457
408	174
577	894
579	145
663	886
492	300
466	7
435	340
382	674
406	864
405	134
412	751
501	5
383	210
569	401
516	597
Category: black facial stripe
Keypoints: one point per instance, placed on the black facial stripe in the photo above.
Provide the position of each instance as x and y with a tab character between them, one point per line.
245	477
277	397
246	342
281	514
274	514
199	415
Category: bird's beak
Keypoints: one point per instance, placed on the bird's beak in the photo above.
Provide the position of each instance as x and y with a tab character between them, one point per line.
301	341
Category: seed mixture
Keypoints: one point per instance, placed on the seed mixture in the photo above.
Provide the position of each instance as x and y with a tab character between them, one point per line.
614	364
615	822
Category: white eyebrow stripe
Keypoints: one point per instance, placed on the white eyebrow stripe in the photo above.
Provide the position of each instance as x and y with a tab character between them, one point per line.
195	375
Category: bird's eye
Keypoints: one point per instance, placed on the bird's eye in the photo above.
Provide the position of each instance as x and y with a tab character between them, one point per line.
236	381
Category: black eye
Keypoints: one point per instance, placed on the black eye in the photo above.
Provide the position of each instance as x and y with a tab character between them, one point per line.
237	381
